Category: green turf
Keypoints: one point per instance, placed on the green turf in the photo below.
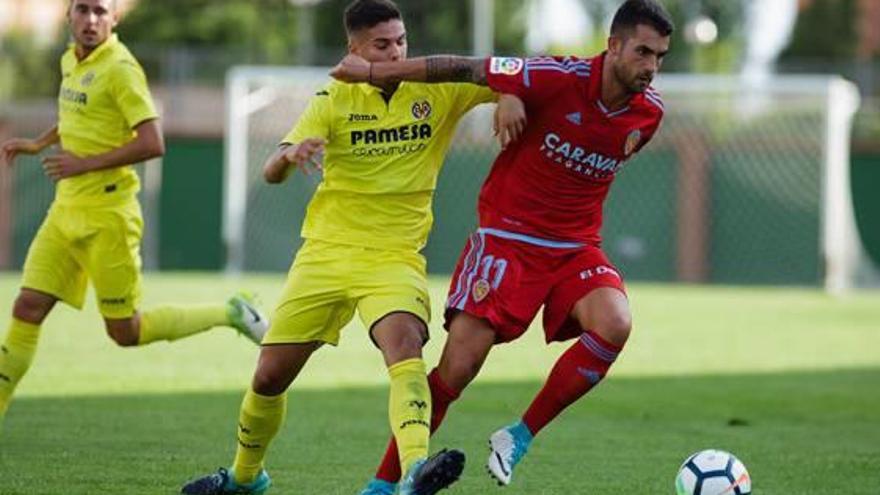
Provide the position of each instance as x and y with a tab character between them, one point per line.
786	379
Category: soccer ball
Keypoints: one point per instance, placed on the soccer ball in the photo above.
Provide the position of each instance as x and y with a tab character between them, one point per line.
713	472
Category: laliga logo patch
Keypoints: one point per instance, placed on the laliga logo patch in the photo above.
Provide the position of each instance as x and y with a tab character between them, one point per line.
87	79
633	140
509	66
481	289
421	110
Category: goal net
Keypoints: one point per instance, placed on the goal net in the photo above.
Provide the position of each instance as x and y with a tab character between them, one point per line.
740	186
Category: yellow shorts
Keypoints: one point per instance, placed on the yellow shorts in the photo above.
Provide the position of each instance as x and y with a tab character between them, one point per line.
328	281
75	244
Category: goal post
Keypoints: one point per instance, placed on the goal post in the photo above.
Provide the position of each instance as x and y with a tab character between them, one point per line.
250	90
742	185
847	264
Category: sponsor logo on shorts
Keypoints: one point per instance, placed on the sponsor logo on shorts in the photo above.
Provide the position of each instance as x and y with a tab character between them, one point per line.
599	270
481	289
113	301
508	66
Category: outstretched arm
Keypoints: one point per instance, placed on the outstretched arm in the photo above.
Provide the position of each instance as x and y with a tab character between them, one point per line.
437	68
10	149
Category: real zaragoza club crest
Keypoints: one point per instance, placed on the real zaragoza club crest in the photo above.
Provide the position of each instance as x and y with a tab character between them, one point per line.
633	140
481	289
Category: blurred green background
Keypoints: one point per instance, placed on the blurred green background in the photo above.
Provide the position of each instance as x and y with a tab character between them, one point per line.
187	48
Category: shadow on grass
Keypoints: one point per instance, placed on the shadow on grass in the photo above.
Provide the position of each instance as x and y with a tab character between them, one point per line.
804	432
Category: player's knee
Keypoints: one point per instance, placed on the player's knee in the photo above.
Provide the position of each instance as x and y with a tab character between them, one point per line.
615	328
123	333
32	307
269	382
410	341
401	340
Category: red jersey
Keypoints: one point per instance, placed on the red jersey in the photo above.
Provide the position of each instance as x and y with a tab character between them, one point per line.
552	182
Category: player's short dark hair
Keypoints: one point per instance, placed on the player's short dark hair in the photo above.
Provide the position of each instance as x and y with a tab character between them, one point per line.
364	14
647	12
112	3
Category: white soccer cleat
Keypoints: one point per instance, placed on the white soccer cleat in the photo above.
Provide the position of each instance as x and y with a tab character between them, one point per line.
507	447
246	318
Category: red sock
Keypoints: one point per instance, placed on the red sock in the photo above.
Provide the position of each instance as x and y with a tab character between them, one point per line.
577	371
441	396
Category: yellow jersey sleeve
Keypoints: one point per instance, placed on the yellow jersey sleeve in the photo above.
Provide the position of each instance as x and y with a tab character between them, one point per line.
465	96
132	95
315	120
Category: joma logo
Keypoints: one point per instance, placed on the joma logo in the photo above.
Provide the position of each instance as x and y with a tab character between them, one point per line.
361	117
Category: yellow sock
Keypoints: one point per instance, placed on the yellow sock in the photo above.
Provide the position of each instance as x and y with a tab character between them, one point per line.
260	419
409	409
16	355
176	322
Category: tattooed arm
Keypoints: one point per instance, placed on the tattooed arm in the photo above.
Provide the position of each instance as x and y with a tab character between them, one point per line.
438	68
450	68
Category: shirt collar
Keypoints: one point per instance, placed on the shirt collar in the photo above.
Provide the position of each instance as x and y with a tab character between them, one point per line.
370	89
594	90
107	45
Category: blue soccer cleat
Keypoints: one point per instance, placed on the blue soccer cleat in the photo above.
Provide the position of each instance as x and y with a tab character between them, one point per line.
223	483
507	447
429	476
379	487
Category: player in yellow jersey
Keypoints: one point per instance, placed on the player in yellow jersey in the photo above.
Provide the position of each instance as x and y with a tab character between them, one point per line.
106	121
383	147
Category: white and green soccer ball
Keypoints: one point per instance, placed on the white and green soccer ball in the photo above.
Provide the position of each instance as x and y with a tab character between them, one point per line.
713	472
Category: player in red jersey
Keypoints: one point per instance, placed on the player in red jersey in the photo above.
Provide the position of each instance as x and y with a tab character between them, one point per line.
540	215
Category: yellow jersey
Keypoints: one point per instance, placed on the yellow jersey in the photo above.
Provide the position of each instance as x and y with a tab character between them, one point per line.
381	160
102	99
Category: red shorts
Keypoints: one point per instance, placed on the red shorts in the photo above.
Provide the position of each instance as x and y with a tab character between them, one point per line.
505	278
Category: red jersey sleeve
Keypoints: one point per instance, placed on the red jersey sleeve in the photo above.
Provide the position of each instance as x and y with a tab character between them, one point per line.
537	78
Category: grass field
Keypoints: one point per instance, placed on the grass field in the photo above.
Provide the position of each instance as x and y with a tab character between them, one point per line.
789	380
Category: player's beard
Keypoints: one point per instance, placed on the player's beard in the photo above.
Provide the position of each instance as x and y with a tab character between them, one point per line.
635	83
